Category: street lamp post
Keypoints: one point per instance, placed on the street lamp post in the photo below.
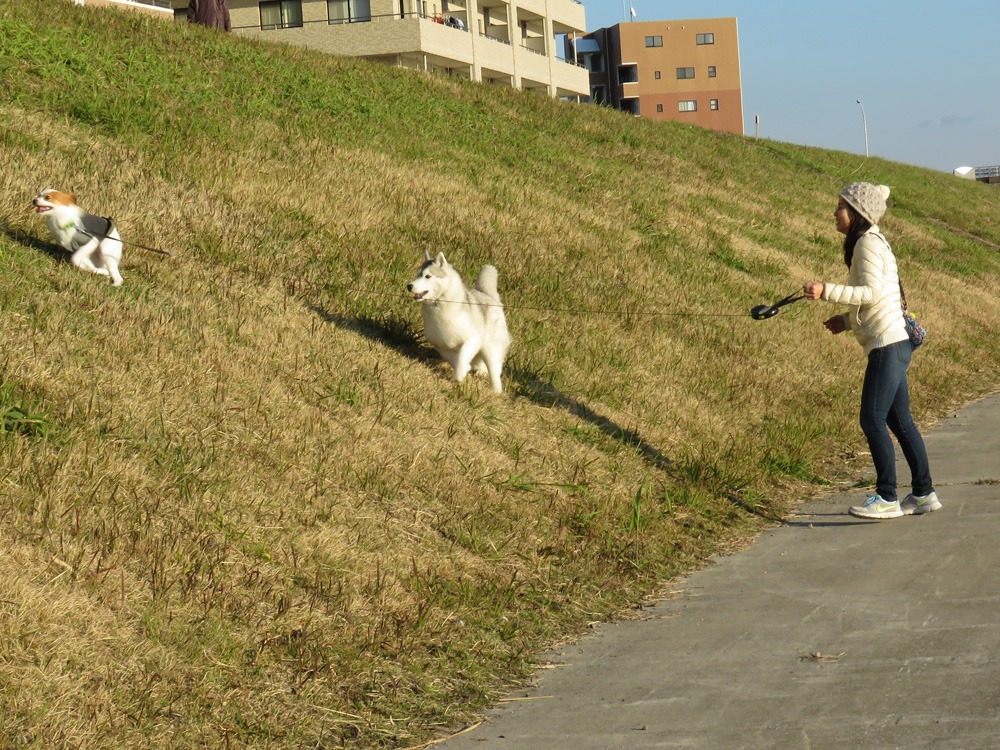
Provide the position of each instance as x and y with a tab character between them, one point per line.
864	119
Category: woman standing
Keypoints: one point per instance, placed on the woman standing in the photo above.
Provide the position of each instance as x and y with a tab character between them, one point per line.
873	293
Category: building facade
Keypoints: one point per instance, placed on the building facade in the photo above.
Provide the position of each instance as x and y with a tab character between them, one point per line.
505	42
667	70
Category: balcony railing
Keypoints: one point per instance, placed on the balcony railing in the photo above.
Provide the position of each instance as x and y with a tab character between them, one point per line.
438	18
496	39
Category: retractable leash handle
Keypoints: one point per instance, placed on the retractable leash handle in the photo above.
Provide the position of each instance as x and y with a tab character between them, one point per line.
763	312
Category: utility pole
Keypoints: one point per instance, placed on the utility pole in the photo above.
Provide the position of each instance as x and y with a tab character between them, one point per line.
864	119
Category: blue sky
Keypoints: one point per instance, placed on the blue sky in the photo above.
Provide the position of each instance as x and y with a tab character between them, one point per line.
927	73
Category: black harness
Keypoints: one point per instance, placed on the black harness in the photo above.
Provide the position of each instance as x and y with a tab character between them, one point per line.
91	227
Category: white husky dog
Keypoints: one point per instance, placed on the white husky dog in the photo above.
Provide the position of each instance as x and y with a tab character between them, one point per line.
93	241
466	326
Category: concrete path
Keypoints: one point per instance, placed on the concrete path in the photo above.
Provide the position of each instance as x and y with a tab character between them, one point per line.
830	632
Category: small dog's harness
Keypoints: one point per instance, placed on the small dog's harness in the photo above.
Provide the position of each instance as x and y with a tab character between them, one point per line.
90	227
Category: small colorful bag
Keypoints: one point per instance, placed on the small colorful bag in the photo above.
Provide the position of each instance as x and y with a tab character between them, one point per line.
914	329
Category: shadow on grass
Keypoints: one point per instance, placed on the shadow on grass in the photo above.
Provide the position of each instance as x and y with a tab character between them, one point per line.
51	249
403	338
545	394
398	335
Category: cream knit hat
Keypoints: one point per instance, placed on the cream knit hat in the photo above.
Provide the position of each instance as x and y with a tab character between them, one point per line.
867	199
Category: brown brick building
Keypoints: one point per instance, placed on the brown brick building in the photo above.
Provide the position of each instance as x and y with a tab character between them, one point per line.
667	70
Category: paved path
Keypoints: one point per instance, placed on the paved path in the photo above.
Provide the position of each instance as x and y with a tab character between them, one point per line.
830	632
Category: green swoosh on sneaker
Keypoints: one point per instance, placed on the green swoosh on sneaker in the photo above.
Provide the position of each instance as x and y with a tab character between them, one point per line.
881	506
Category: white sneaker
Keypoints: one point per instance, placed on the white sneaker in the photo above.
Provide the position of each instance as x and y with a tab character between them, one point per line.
876	507
914	505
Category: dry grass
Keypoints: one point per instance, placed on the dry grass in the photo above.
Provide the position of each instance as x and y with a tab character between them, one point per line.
252	510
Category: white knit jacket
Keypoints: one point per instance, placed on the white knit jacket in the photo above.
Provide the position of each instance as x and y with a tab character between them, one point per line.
872	291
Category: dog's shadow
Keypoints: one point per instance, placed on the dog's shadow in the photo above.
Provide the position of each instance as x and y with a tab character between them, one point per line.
54	251
398	335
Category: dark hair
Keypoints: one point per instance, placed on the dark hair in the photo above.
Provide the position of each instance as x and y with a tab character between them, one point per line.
859	225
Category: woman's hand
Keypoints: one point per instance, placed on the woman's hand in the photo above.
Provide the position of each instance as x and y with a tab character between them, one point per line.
813	289
836	324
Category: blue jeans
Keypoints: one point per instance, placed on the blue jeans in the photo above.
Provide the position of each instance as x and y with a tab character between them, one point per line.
885	405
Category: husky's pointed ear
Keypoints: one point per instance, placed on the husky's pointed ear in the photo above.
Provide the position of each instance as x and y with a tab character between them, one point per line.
441	260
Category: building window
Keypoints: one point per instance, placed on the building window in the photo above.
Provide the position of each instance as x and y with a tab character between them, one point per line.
656	75
687	106
628	73
348	11
659	107
654	41
594	63
598	95
711	71
630	105
713	104
685	72
281	14
705	38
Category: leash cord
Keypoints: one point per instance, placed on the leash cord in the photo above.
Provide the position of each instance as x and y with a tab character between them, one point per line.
130	244
563	311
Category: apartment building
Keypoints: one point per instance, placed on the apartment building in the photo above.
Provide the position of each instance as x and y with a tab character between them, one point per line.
505	42
667	70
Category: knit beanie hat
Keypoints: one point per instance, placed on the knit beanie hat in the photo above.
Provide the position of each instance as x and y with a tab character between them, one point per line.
867	199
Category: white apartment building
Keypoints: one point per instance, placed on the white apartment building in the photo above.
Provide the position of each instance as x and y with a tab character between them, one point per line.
504	42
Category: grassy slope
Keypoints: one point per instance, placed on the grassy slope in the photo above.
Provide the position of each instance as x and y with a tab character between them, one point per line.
257	512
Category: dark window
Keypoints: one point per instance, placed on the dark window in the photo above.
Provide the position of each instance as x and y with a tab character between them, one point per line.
628	74
705	38
659	107
685	72
594	63
654	41
711	71
656	75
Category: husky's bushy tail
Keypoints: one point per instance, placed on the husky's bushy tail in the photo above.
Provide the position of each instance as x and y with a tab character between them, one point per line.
486	282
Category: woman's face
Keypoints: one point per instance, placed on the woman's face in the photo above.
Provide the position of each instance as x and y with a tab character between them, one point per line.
843	217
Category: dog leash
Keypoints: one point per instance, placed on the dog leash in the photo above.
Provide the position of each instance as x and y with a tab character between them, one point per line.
130	244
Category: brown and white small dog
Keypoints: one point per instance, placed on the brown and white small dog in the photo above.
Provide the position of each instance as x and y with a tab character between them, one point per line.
93	241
